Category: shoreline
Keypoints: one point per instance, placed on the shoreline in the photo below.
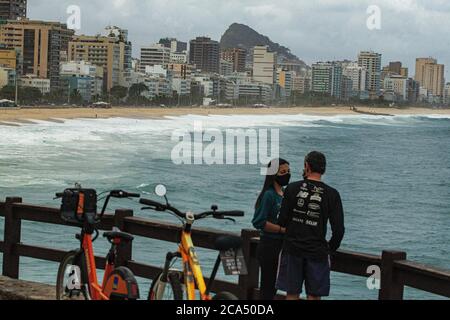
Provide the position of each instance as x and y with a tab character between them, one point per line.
16	116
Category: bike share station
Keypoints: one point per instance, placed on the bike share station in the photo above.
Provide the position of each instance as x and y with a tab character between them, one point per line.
77	274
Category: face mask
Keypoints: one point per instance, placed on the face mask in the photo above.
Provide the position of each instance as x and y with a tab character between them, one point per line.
283	180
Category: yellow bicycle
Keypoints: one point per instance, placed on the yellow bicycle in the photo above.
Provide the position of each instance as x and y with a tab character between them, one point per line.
182	285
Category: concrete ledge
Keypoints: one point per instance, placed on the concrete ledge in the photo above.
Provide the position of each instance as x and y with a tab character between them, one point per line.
11	289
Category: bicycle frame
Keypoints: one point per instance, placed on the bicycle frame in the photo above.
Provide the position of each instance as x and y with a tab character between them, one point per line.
192	269
117	282
192	274
95	290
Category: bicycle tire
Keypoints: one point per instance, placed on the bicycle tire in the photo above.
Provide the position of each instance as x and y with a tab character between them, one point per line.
226	296
158	288
62	292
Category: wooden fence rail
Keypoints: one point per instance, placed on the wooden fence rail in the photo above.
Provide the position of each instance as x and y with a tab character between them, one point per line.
396	271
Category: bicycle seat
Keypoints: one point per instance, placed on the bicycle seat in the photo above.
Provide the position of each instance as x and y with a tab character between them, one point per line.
225	243
111	235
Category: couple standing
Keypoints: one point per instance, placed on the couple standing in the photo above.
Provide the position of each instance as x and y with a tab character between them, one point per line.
293	221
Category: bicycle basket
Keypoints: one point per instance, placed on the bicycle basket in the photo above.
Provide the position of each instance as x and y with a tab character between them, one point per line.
76	203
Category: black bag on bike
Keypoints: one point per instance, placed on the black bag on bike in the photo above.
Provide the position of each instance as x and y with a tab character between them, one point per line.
76	203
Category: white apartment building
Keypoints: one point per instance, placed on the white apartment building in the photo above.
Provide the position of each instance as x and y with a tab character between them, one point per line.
207	85
81	68
398	85
242	87
181	86
226	67
358	76
33	81
157	86
156	70
178	57
155	54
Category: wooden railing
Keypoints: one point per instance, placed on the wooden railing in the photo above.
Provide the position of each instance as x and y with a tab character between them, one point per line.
396	271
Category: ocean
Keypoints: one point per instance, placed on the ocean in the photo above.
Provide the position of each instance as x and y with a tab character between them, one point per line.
393	174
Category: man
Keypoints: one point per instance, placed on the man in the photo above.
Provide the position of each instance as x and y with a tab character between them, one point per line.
307	207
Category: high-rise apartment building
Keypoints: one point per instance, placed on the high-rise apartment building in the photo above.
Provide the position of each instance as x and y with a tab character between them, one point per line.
237	56
126	48
285	81
40	44
264	65
301	83
204	53
13	9
105	52
327	78
430	75
358	76
372	62
156	54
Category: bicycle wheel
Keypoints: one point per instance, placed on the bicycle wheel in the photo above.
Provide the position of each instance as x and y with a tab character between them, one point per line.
171	290
70	281
225	296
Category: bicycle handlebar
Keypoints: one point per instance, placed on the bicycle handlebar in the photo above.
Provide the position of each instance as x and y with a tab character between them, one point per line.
215	214
112	194
151	203
123	194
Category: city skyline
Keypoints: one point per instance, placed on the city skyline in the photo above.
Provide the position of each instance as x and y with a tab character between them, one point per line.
319	38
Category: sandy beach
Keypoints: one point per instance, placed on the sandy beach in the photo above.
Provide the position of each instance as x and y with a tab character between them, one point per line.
27	115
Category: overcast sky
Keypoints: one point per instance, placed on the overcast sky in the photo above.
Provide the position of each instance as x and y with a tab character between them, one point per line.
314	30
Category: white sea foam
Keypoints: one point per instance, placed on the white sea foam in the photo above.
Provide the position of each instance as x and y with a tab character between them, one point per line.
94	130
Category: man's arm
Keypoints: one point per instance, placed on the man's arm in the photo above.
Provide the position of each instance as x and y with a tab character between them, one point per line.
337	223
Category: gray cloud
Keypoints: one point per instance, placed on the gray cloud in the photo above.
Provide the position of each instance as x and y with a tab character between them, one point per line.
314	30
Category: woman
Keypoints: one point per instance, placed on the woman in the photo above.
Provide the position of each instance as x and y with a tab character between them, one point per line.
267	209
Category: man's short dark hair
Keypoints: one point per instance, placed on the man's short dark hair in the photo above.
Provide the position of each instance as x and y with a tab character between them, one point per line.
317	161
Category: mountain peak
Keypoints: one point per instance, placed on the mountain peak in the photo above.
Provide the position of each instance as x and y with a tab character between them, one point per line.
242	36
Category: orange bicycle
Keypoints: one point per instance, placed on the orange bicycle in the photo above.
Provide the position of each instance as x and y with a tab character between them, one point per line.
77	273
179	285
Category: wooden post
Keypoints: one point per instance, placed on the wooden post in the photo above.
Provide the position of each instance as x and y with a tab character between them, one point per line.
250	282
125	252
12	236
390	288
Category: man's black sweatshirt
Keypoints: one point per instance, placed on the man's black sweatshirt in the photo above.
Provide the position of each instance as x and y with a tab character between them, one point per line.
306	209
